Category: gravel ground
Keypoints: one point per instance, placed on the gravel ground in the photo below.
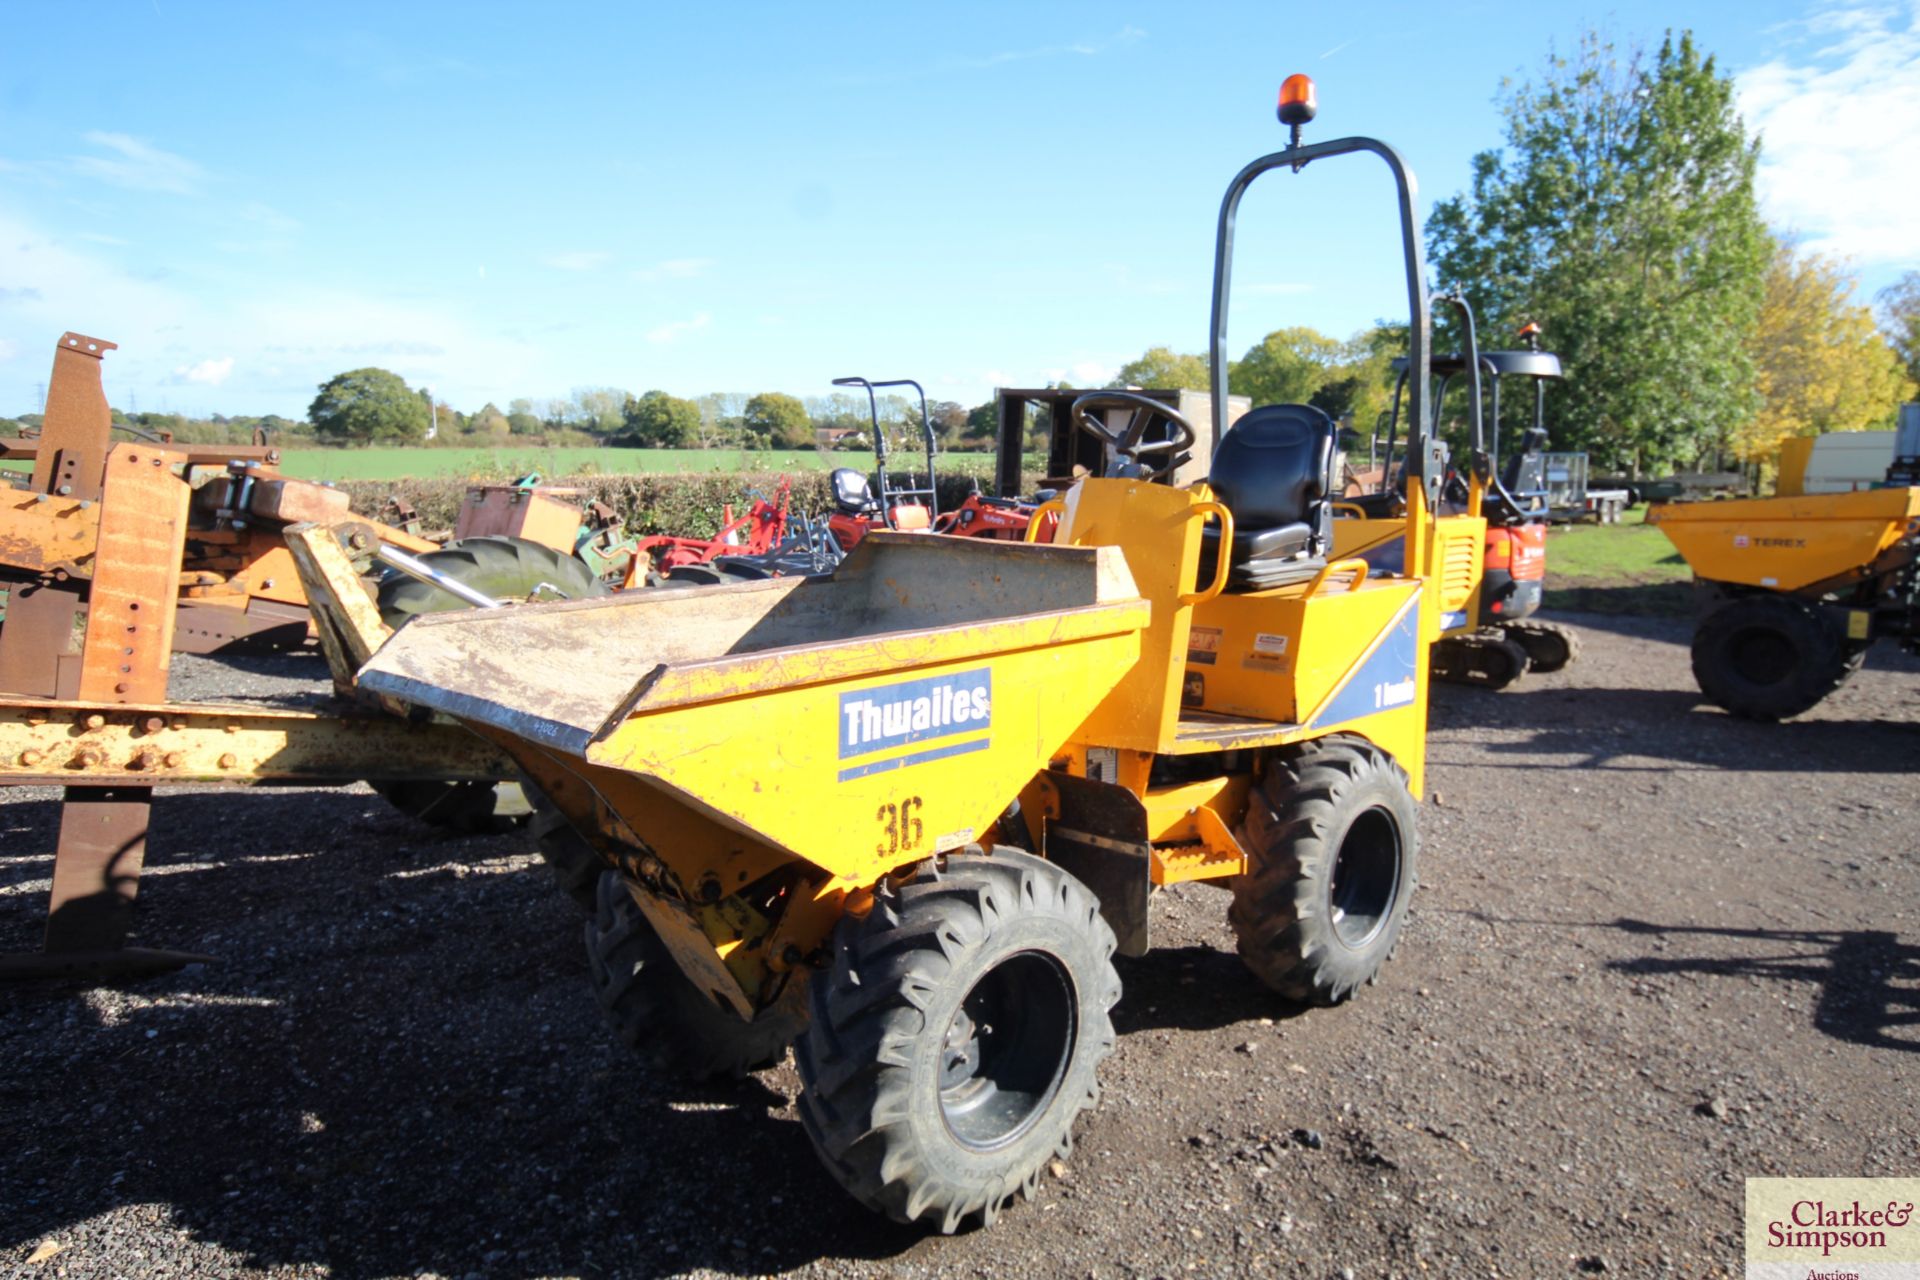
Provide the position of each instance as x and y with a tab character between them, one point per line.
1656	951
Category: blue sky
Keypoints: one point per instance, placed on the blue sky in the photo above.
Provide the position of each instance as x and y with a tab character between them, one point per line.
501	201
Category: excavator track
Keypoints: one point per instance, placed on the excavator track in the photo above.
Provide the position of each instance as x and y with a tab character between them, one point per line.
1485	659
1549	645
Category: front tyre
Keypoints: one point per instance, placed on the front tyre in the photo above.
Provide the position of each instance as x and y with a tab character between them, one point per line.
957	1035
1332	845
1770	657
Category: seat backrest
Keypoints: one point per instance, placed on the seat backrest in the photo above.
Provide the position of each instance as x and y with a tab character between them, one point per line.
851	492
1275	467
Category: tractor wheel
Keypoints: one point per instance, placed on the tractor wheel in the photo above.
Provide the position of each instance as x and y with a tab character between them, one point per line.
1485	658
956	1037
1549	645
504	568
577	865
1332	846
1770	657
507	569
660	1013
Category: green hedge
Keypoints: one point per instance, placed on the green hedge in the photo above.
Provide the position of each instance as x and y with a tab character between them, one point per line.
688	505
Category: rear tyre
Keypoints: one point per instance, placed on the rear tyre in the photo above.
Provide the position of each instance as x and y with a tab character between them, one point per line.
659	1013
504	568
957	1035
1770	657
1333	855
1549	646
577	866
471	808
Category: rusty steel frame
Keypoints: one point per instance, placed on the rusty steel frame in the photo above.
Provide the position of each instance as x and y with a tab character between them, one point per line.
84	706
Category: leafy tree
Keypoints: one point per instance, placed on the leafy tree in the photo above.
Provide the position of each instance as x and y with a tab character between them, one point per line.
949	422
1285	367
490	423
660	421
368	406
522	418
601	410
1162	369
1621	216
777	419
983	426
1900	304
1823	365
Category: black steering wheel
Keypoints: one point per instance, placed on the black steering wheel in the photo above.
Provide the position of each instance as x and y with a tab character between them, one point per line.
1122	448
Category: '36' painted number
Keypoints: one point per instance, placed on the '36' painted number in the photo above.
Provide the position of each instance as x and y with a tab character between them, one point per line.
899	827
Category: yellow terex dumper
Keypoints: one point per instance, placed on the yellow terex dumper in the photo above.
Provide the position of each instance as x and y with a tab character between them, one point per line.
903	816
1796	587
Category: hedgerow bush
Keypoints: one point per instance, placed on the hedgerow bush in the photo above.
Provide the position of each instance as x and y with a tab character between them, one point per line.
688	505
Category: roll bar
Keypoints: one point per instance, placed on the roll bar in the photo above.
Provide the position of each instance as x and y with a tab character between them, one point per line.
1425	461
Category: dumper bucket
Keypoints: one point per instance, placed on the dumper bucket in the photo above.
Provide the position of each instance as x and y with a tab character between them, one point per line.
858	721
1788	544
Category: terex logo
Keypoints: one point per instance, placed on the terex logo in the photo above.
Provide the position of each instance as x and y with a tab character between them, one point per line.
951	706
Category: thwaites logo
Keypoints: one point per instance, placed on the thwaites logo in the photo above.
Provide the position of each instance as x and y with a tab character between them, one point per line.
940	711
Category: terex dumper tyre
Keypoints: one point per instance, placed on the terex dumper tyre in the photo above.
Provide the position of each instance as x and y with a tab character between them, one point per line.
956	1036
1550	646
1770	657
659	1013
1332	846
504	568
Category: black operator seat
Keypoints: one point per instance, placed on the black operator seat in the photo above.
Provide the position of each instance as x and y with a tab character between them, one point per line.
851	492
1274	471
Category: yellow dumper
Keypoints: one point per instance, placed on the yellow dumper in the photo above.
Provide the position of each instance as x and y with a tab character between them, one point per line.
1795	589
902	817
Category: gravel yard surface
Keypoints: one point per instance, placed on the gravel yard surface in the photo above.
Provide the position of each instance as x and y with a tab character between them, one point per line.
1656	951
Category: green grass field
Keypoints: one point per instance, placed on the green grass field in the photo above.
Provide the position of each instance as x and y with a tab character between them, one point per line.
1621	568
394	464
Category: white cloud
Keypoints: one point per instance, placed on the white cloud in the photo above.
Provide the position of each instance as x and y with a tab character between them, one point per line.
1081	48
577	260
674	328
1087	373
208	372
674	269
136	164
8	349
1840	153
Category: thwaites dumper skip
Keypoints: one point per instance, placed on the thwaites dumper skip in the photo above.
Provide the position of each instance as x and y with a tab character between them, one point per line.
1793	590
903	817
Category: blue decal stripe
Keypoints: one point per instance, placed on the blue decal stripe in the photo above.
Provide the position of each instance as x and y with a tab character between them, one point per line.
1392	660
918	757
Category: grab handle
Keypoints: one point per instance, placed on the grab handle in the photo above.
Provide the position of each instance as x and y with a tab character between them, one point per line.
1222	561
1357	567
1056	505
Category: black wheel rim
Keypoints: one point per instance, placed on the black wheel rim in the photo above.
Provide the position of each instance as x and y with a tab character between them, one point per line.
1366	877
1761	655
1006	1049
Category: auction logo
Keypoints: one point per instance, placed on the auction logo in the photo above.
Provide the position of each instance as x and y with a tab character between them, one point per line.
1832	1229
